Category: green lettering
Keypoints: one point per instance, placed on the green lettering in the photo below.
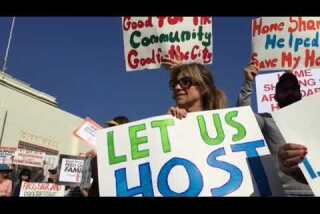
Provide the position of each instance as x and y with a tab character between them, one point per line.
132	42
208	37
145	42
163	125
185	35
174	38
241	129
136	141
163	38
154	39
204	132
113	159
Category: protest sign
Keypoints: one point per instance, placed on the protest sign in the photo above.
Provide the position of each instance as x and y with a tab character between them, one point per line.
209	153
6	155
51	162
87	132
148	39
299	124
309	80
70	169
285	42
29	189
31	158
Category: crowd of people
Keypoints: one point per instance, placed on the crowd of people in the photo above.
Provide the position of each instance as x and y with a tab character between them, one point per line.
194	89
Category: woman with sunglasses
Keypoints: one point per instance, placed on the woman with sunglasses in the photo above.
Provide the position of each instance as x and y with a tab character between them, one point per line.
193	89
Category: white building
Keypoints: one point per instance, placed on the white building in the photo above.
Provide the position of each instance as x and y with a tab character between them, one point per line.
31	119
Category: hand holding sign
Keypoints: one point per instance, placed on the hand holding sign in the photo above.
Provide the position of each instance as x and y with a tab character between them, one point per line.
171	64
290	155
177	112
250	71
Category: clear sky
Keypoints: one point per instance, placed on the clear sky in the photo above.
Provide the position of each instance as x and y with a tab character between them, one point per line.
80	61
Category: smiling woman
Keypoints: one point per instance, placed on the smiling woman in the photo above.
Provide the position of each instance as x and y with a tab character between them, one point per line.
194	89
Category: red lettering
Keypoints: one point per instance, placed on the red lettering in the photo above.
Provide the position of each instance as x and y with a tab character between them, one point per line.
254	59
203	20
303	25
194	52
258	28
269	87
274	107
268	63
286	58
302	73
128	24
311	59
195	20
172	20
206	20
133	62
264	98
161	21
207	55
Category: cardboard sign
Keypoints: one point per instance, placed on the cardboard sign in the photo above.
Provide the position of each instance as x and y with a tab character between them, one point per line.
6	155
148	39
70	169
87	132
29	158
286	42
209	153
299	124
309	80
29	189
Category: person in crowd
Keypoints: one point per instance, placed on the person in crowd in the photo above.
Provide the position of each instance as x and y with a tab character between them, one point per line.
117	121
25	175
5	182
53	175
287	92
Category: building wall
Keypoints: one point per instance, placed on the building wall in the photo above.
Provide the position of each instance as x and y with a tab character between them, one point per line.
33	121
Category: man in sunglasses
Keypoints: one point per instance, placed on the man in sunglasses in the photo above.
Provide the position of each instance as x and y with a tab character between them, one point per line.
287	92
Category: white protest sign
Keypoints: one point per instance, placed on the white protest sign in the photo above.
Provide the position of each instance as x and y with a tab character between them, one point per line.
6	155
309	80
286	42
70	169
148	39
205	154
51	162
29	189
87	132
299	124
26	157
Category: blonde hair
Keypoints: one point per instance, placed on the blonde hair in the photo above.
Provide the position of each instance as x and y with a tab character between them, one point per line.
212	97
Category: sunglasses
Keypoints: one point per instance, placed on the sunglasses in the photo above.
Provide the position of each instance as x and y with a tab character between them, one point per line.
184	82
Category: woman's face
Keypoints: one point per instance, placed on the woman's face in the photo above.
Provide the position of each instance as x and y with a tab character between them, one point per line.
186	92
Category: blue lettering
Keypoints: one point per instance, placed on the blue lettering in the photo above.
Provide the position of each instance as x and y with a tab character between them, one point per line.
195	178
309	169
255	164
145	188
235	179
270	41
